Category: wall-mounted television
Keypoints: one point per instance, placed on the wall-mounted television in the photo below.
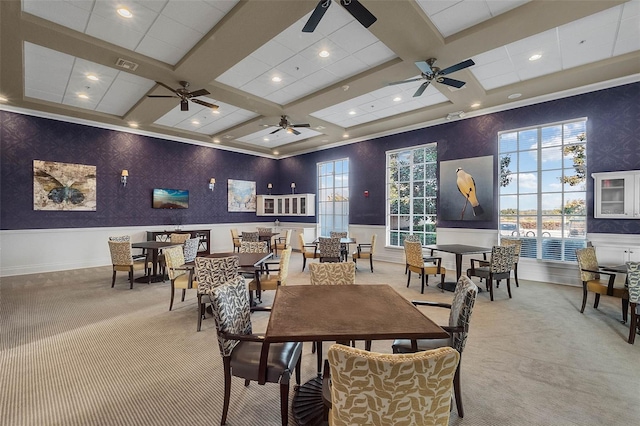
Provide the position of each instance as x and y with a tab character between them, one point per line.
164	198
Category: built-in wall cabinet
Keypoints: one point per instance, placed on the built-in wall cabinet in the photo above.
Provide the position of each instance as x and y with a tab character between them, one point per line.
286	205
617	195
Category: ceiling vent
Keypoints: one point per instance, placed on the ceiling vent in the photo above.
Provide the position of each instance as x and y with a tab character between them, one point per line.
127	65
456	115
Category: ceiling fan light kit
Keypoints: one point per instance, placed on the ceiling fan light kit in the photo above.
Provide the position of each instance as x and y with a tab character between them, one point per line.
284	124
185	95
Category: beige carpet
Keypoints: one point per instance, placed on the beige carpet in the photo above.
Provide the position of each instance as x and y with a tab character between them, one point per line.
76	352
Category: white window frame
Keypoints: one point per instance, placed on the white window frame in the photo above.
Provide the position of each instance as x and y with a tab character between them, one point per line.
337	196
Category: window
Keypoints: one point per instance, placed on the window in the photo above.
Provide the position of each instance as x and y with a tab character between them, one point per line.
542	180
411	194
333	196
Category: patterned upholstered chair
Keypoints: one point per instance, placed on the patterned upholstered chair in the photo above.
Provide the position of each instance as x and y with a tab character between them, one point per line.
499	268
517	246
365	251
181	276
235	239
415	260
330	250
190	249
210	273
252	237
369	388
270	279
127	238
590	273
254	247
122	260
461	308
633	277
411	237
282	243
344	248
179	238
241	349
309	251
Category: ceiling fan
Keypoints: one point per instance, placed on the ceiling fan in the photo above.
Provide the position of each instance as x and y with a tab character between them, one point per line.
354	7
284	124
185	96
431	73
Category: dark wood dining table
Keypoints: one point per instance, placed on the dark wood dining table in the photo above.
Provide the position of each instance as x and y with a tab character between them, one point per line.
306	313
459	250
267	236
154	247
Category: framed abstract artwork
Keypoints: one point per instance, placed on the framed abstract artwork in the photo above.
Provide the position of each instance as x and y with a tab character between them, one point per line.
241	196
63	186
466	189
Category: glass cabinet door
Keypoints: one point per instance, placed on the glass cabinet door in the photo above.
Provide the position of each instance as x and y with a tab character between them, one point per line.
303	205
612	199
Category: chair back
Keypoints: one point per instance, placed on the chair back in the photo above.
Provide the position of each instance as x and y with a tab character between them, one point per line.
413	252
250	237
373	242
120	239
179	238
587	260
212	272
174	257
231	312
517	245
329	247
464	297
254	247
235	237
633	276
121	252
502	259
413	237
384	389
285	256
303	249
335	234
340	273
190	249
287	238
265	231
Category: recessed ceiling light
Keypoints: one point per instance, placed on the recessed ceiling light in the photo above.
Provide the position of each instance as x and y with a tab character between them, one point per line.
323	54
352	113
276	79
83	96
346	135
275	153
535	57
397	99
475	105
3	99
124	12
320	128
514	95
215	111
92	77
266	139
196	122
133	124
216	140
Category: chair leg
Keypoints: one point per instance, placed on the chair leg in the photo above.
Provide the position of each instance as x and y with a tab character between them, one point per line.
304	262
408	278
597	301
625	310
184	292
490	284
200	311
313	347
371	262
367	345
633	324
406	268
173	290
423	280
515	274
113	279
458	392
131	278
319	356
584	296
284	403
441	283
227	389
298	367
509	287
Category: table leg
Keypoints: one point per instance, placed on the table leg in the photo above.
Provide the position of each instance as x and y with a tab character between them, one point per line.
458	266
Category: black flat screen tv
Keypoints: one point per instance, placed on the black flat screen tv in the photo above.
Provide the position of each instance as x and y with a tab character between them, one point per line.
164	198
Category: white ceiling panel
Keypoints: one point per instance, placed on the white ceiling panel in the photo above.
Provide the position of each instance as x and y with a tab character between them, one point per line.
46	72
282	137
74	15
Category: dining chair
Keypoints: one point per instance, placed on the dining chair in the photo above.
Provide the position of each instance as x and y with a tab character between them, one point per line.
414	238
271	278
181	275
591	276
252	237
633	278
365	251
175	238
330	250
241	350
122	260
235	239
460	309
499	268
190	249
254	247
212	272
370	388
344	248
517	246
127	238
282	243
309	251
415	260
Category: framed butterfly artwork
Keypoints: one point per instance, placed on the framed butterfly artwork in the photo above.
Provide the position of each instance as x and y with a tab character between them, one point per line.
63	186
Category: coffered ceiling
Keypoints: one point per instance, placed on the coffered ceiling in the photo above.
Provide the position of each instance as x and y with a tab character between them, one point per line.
257	64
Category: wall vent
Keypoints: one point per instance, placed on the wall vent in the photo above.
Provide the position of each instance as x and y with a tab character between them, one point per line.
127	65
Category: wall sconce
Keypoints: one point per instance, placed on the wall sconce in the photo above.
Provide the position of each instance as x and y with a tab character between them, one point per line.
293	187
212	183
269	188
123	177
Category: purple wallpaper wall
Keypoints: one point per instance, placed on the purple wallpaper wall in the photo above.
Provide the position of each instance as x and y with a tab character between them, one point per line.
613	144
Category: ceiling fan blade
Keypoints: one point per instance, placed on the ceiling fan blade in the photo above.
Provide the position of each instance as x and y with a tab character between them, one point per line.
421	89
451	82
167	87
457	67
358	11
404	81
207	104
424	67
301	125
316	16
184	105
276	130
161	96
294	131
200	92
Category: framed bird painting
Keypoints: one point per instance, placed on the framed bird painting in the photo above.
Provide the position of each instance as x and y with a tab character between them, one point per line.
466	189
63	186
